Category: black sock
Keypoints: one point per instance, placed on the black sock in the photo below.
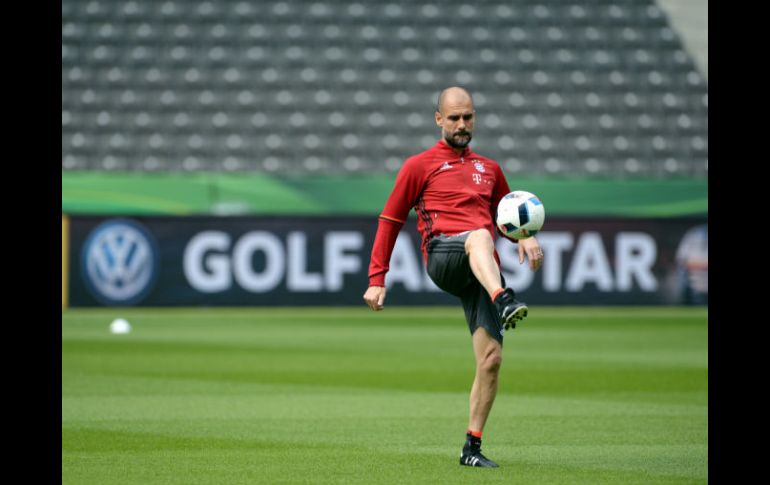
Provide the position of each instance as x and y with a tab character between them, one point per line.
471	441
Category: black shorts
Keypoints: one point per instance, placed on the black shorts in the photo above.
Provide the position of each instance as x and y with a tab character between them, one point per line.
450	269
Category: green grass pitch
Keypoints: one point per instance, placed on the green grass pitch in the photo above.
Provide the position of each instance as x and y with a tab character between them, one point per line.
349	396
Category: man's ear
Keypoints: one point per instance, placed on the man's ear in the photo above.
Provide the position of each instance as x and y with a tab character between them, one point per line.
438	118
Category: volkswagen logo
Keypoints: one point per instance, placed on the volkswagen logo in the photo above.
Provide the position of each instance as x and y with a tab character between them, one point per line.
119	262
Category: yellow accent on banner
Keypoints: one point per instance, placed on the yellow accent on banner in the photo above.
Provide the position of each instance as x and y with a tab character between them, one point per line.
65	252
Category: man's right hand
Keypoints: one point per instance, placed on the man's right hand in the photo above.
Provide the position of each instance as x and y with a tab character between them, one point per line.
375	297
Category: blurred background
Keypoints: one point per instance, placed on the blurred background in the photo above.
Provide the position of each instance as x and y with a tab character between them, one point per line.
239	152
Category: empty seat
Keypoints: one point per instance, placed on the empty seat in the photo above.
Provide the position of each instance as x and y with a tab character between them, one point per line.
348	87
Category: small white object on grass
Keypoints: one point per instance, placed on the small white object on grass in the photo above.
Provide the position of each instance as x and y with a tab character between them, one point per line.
120	326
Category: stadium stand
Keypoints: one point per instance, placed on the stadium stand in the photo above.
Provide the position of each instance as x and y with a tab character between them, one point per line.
594	88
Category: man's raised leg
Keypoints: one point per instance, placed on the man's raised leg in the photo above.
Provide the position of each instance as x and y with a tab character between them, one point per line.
480	248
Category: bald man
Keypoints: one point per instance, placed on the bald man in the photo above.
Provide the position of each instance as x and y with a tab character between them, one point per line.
455	192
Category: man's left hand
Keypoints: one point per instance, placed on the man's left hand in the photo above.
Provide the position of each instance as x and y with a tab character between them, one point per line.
531	248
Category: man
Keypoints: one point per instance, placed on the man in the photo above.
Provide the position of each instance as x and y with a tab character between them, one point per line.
455	193
692	262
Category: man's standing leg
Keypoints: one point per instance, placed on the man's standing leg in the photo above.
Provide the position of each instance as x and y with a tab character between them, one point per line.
489	356
451	268
479	247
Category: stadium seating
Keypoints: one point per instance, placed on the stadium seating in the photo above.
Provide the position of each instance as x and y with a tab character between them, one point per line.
595	88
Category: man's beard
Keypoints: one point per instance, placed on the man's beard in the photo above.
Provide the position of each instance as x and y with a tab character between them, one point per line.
461	142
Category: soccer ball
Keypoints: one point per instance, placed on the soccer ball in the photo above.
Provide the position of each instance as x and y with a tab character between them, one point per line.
520	215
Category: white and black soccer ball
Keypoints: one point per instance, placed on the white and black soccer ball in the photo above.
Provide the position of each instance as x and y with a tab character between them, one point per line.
520	214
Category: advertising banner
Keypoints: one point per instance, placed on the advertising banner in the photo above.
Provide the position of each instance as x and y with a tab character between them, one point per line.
297	261
65	251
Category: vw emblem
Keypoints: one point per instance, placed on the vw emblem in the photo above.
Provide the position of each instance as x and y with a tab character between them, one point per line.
119	262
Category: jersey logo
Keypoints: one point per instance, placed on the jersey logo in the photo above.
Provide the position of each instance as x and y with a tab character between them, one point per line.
477	178
479	166
445	166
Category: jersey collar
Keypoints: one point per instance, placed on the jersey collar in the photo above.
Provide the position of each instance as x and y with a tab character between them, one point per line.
444	148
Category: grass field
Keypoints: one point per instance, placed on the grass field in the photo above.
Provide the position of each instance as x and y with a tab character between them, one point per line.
349	396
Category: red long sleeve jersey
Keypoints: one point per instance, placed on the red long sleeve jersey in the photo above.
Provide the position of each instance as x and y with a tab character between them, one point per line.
450	193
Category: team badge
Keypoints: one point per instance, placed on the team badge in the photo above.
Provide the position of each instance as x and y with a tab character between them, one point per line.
479	166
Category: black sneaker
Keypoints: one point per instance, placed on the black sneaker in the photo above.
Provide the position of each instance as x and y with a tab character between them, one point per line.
471	455
511	310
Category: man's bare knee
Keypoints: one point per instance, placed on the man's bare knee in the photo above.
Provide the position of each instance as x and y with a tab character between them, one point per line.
492	361
480	239
489	355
